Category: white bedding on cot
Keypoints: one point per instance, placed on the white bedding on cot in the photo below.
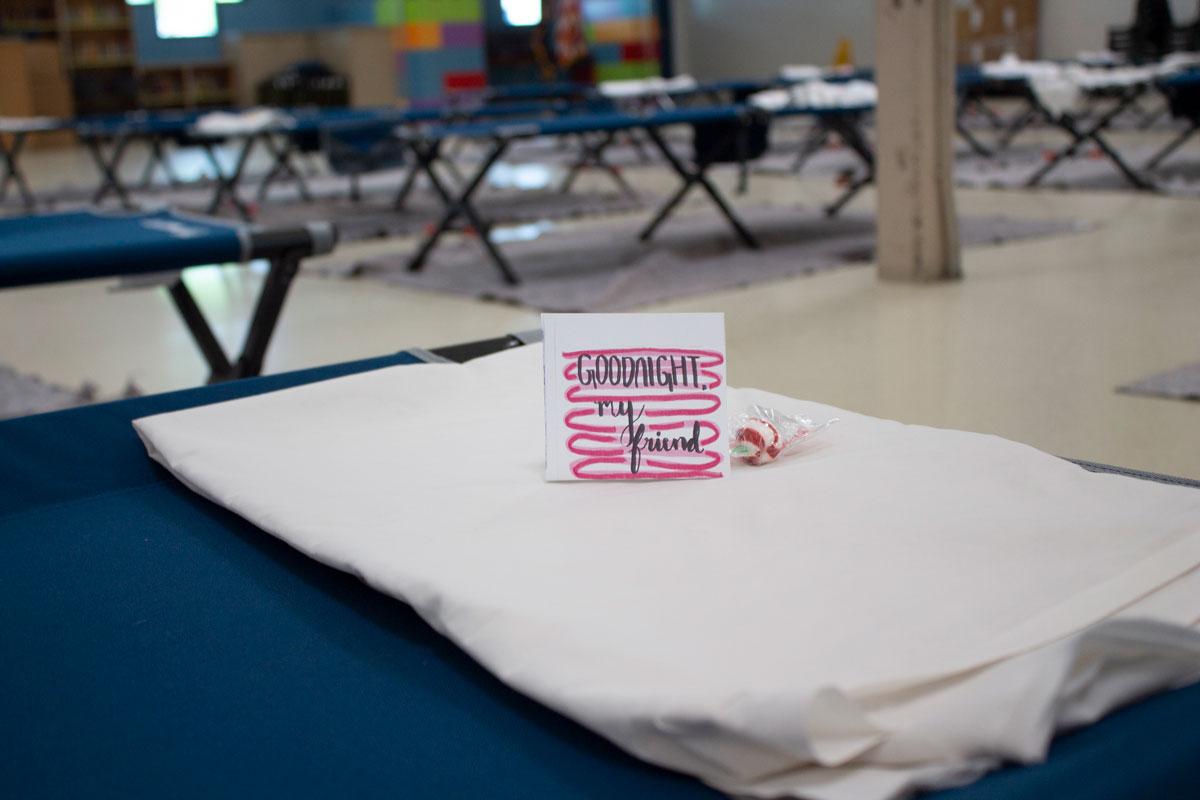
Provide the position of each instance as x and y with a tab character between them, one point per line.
1063	88
647	87
818	94
236	123
897	606
801	72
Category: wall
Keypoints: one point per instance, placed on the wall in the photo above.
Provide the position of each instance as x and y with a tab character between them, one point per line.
725	39
747	38
1069	26
438	46
250	16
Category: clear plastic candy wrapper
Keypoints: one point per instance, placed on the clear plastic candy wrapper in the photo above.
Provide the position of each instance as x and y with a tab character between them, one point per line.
762	435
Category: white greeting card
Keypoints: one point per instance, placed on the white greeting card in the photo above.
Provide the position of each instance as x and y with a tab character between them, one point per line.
635	396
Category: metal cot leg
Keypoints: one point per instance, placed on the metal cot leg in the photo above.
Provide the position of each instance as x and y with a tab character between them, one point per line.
692	177
218	363
461	206
1172	146
813	142
262	325
227	184
158	159
592	154
109	167
12	172
266	313
849	128
281	164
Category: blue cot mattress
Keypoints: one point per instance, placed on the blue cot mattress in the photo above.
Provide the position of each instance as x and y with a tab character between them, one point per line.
156	645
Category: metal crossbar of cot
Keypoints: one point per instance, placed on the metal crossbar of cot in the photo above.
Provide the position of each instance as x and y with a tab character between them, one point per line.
1080	133
281	146
108	146
848	126
284	264
1182	93
10	158
973	96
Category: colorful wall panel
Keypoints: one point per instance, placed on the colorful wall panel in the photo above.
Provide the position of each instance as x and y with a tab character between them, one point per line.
439	46
623	36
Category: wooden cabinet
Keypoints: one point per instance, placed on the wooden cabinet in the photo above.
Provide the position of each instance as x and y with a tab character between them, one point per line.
193	85
35	84
361	53
95	46
987	29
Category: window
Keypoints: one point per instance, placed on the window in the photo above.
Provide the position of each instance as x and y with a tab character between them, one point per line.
522	12
184	19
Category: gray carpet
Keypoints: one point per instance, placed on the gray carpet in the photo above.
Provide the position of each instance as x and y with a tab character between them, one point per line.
605	268
1177	384
21	395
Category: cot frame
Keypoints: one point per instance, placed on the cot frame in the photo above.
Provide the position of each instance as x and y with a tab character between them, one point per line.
1080	133
426	153
10	169
108	150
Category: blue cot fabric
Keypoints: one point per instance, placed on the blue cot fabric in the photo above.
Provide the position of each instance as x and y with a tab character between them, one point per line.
1187	78
155	645
78	245
584	123
564	90
143	123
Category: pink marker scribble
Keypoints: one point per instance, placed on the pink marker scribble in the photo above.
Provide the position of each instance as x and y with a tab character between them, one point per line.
642	413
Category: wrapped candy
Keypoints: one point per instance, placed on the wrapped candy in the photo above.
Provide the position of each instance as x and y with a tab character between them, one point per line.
763	434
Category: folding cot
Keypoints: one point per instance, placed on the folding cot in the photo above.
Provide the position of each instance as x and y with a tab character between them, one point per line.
1065	96
732	120
83	245
976	87
159	645
13	134
109	138
1123	92
1082	101
280	133
283	134
311	129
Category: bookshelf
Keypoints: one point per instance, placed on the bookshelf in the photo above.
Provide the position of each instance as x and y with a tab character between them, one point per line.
193	85
96	37
30	19
96	42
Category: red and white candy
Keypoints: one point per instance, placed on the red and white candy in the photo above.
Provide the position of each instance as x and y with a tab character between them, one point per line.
757	441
